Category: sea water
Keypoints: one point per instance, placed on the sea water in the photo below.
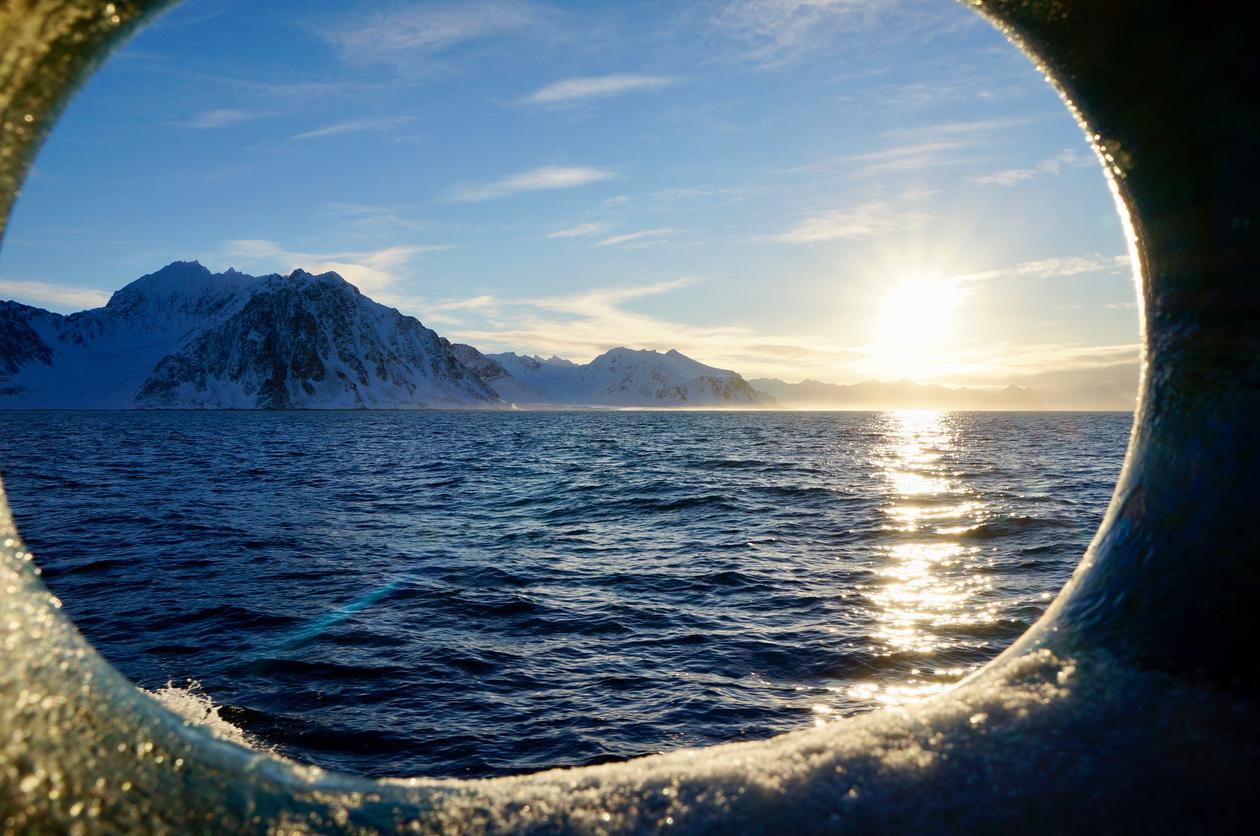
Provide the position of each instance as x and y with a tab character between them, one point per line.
473	593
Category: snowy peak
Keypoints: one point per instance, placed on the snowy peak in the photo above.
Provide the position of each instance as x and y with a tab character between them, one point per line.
624	377
183	287
510	359
184	337
628	377
179	278
672	363
301	278
313	341
494	375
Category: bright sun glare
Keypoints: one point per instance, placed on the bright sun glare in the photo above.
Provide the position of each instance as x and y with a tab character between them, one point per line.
915	329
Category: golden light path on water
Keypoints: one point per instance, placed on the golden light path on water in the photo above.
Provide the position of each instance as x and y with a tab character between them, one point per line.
928	584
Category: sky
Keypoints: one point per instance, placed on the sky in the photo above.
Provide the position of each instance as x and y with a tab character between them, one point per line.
838	190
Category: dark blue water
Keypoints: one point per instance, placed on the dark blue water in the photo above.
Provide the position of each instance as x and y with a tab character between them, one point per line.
476	594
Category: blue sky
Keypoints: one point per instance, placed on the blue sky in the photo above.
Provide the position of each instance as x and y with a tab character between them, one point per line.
833	189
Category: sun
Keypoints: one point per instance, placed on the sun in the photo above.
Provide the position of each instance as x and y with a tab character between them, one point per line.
914	329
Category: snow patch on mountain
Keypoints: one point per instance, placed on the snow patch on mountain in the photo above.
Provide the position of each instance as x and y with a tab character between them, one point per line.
184	337
306	341
626	377
494	375
97	358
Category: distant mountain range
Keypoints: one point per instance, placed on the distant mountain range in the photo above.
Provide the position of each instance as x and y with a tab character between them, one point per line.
186	338
620	377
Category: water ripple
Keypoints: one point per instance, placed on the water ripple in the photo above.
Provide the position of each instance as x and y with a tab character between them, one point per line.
478	594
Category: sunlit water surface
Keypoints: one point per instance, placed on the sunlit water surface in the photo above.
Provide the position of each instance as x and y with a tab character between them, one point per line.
476	594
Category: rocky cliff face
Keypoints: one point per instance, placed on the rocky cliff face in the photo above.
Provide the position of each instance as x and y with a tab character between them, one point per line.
186	338
494	375
20	343
304	341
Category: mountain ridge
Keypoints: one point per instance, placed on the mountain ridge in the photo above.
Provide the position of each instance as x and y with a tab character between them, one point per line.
626	377
184	337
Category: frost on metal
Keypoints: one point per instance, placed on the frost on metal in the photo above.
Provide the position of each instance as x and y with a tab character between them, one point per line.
1126	707
1019	745
46	48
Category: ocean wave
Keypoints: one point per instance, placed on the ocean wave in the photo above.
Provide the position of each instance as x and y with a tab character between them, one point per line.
490	594
196	708
1012	525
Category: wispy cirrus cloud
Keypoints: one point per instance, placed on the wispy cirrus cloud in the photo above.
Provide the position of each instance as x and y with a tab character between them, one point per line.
57	297
678	194
913	149
473	303
374	272
582	325
373	220
870	220
1060	267
1015	176
777	32
545	178
291	91
572	91
936	145
907	158
452	312
411	35
970	130
188	15
581	230
353	126
220	118
641	238
1066	266
607	299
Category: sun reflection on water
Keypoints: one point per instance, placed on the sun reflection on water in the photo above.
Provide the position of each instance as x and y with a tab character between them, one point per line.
928	587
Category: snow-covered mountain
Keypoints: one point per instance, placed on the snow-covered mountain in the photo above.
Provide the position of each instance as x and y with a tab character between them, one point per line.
551	378
625	377
494	375
184	337
98	358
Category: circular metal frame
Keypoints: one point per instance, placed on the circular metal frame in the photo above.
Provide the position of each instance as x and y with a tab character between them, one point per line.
1130	703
